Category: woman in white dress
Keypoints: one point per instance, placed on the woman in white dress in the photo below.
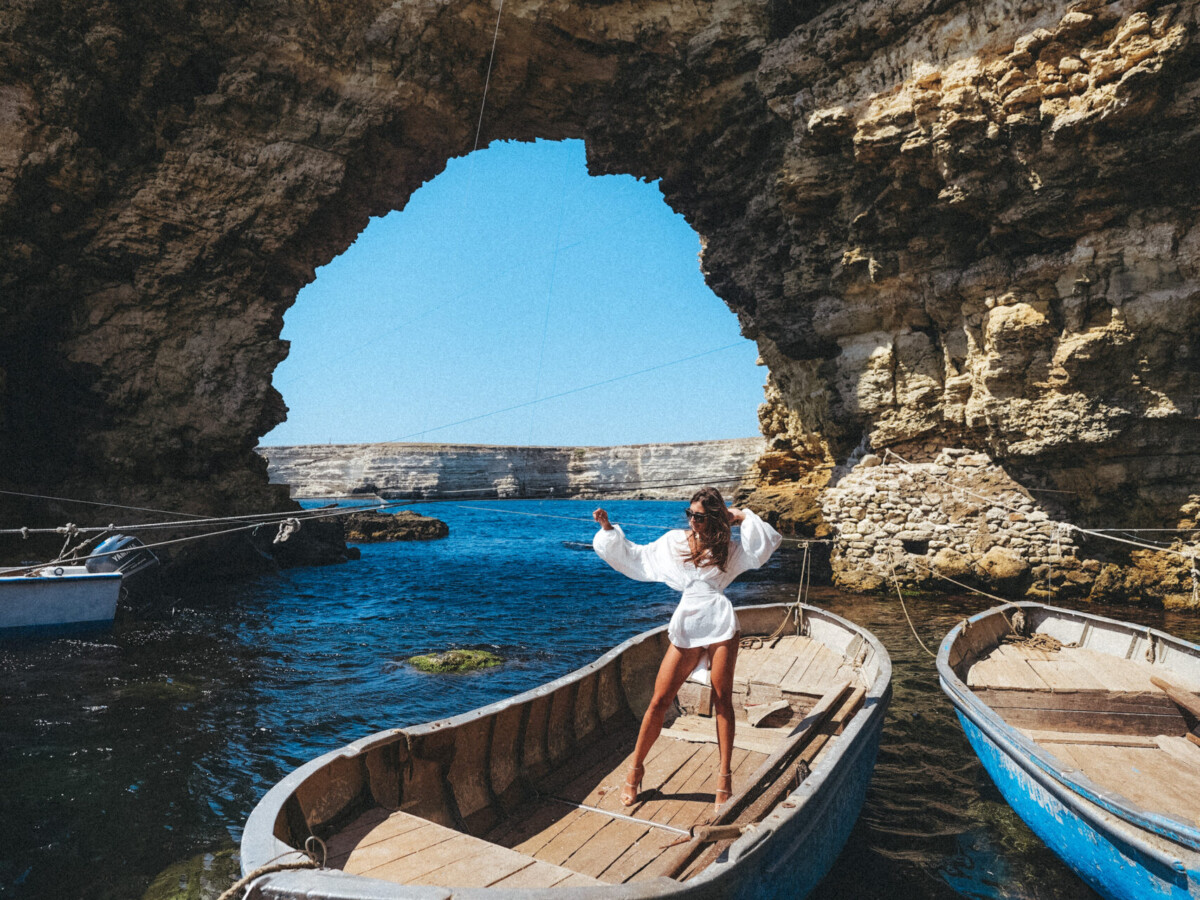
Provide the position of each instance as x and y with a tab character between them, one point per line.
700	562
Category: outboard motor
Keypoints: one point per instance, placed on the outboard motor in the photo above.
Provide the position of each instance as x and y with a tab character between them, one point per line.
120	553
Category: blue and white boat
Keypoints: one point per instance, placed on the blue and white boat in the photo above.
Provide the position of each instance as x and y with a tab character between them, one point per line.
69	594
1086	726
521	798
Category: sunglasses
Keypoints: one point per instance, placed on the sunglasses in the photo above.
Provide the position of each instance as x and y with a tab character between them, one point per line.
695	515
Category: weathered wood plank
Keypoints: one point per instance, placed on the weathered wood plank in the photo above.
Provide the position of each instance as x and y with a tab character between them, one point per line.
1184	698
704	758
1002	671
558	850
610	783
819	677
1180	749
414	865
775	666
1149	777
605	847
695	729
362	859
535	842
659	770
793	680
747	666
537	875
1113	673
1084	737
1065	675
486	865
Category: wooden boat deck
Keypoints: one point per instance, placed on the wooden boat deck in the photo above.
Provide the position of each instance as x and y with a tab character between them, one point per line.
1100	714
574	830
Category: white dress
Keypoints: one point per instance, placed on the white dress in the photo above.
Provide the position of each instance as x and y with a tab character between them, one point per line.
704	615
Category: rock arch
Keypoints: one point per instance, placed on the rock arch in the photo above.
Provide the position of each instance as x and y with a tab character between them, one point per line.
959	222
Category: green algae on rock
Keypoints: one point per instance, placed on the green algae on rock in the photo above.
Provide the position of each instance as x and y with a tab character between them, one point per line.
455	661
202	877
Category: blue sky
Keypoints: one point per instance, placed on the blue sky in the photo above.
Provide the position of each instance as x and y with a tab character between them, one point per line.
513	277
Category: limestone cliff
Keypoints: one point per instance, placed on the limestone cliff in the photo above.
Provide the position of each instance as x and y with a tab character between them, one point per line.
966	223
401	471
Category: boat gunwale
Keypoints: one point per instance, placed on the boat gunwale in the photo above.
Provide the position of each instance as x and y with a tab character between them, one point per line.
260	846
1008	738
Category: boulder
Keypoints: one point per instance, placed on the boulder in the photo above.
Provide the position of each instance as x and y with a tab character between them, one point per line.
1002	567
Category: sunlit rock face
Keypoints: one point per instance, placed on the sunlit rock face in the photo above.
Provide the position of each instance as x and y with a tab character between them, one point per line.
404	471
967	222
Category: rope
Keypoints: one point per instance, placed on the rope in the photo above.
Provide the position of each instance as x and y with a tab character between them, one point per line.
195	537
515	512
272	866
488	78
562	212
586	387
169	512
911	627
261	518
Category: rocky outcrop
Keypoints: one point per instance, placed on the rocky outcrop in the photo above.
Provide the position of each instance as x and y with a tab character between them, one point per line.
399	525
966	222
402	471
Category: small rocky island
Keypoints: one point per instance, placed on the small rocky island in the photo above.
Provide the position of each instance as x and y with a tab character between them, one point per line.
404	525
455	661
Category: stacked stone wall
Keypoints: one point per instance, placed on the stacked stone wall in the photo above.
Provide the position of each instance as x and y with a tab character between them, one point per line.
951	519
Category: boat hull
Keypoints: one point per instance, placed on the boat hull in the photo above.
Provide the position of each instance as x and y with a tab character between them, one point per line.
1114	862
1119	854
68	599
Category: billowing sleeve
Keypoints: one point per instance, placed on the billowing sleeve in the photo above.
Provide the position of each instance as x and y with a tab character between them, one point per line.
759	540
639	561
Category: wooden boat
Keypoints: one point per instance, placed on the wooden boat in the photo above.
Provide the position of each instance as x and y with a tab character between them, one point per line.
1086	727
522	797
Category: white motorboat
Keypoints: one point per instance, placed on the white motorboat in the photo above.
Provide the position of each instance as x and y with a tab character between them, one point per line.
72	594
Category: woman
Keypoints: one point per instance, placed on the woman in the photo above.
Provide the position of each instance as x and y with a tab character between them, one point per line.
701	562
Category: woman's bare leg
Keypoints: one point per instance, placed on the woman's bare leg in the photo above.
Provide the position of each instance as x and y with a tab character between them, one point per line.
724	659
676	666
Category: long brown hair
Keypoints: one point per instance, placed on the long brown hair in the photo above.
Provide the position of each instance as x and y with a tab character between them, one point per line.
713	545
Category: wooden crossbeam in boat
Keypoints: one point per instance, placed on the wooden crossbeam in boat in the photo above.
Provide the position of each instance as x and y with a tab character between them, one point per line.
1115	712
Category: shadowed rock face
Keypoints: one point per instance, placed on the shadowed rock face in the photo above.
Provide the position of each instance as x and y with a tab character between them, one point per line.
971	221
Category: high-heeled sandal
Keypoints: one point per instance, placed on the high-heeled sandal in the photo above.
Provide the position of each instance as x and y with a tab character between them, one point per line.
722	794
631	789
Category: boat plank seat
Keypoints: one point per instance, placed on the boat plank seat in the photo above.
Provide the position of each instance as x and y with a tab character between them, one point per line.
1074	690
406	849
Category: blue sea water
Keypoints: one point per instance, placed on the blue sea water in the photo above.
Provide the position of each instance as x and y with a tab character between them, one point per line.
125	751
